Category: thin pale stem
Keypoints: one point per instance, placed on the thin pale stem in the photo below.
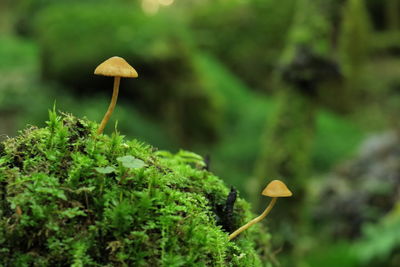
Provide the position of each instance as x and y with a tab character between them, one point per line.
111	107
255	220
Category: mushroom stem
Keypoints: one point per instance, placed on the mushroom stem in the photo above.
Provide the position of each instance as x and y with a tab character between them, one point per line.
111	107
255	220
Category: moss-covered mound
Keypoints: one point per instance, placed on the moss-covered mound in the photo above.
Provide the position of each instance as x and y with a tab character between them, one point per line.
70	197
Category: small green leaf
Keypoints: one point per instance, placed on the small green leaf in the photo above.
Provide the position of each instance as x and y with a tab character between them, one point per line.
190	155
72	212
105	170
131	162
164	154
87	189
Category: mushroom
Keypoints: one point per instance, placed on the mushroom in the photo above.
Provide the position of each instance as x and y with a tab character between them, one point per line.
274	189
116	67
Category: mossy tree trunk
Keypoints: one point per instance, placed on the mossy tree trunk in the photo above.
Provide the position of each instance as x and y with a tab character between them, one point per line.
392	15
286	146
354	49
287	143
285	155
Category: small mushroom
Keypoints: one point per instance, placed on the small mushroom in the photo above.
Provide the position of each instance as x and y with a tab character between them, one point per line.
116	67
274	189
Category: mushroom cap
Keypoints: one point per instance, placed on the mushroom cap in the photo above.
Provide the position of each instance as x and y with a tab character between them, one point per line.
116	67
276	188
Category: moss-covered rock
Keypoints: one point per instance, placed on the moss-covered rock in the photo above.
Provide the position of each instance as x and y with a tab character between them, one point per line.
70	197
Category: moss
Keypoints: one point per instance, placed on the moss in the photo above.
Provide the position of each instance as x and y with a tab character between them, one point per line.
70	197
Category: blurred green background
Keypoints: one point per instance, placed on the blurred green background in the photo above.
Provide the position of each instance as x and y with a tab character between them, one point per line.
307	91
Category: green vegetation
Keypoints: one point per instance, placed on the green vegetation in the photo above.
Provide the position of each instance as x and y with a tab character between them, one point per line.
246	34
170	88
71	197
261	89
381	241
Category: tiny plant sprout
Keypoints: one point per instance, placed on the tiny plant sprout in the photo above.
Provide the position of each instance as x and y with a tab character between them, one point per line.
274	189
115	67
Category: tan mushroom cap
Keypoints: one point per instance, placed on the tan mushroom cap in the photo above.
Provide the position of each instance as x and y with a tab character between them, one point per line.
276	188
116	67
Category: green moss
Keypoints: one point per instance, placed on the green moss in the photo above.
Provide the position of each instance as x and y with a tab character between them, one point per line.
70	197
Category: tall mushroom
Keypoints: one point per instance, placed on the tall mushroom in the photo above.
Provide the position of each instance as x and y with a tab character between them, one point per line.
274	189
116	67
